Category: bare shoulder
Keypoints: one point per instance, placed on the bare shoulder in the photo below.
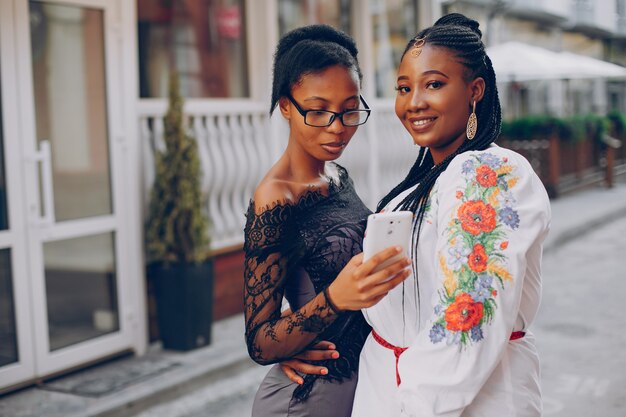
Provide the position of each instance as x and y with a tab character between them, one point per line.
271	192
279	188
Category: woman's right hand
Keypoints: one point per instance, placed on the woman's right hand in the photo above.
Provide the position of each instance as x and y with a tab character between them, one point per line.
357	286
295	366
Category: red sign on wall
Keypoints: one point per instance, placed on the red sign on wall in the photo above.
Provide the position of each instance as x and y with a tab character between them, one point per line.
229	22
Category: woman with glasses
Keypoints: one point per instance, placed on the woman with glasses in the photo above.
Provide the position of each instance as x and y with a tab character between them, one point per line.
303	235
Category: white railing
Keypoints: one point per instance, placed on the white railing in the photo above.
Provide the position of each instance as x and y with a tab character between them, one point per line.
238	143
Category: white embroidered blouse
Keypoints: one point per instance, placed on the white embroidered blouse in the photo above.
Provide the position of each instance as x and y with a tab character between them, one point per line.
478	281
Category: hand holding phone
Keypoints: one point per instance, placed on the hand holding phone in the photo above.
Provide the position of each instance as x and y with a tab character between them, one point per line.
362	283
387	229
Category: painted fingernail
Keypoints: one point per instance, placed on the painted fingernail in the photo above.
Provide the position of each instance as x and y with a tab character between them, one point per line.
324	371
334	355
300	382
331	347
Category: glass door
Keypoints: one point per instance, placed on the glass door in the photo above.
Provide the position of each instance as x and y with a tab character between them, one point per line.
79	252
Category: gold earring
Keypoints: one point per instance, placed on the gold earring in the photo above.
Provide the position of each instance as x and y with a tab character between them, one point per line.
472	123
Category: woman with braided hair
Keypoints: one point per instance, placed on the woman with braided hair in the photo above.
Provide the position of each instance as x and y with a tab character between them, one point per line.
303	236
452	340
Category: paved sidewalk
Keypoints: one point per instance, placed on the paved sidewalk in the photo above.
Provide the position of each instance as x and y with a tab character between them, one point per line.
576	214
225	365
225	357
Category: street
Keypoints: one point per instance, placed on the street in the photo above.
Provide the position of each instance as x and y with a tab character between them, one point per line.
580	333
581	326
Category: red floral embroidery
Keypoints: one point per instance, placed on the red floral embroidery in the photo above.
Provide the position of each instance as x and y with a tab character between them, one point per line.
477	236
477	260
463	314
477	217
486	176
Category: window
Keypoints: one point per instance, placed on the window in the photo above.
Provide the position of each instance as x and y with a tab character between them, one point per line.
621	16
70	96
4	223
8	332
615	90
394	22
296	13
204	40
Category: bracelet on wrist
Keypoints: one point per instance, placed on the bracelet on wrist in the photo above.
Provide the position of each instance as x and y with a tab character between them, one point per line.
332	305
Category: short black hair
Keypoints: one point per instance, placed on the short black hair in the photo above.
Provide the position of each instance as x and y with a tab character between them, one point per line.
310	49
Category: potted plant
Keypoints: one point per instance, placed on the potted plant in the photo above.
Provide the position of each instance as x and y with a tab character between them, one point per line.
177	237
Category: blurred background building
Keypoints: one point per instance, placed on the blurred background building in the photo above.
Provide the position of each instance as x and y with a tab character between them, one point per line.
82	98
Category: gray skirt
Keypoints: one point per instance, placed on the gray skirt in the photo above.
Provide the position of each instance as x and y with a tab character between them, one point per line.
327	399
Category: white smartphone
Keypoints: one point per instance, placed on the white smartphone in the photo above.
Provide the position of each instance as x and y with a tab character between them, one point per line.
387	229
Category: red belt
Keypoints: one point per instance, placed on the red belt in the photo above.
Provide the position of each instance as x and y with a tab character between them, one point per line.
517	335
397	351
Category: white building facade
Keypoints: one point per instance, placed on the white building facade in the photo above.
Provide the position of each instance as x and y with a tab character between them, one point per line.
593	28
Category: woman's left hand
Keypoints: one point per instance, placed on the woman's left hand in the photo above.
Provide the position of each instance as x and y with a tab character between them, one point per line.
320	351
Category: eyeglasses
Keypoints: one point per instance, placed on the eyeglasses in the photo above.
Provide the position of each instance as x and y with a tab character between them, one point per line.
323	118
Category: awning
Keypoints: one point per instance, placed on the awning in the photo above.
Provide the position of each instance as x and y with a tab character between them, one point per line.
517	61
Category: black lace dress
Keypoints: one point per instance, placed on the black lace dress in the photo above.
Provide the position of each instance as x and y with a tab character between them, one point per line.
296	250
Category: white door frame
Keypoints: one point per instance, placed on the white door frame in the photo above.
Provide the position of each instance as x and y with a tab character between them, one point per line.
125	218
14	238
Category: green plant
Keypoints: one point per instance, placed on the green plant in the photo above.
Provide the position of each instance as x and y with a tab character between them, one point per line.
574	129
597	126
617	122
530	127
571	129
177	223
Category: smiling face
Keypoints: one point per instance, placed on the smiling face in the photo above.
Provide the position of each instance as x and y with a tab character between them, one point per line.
434	99
336	89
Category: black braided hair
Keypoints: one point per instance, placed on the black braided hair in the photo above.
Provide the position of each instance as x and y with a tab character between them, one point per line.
310	49
462	37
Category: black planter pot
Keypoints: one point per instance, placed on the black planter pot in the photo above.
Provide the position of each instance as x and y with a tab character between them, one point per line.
184	301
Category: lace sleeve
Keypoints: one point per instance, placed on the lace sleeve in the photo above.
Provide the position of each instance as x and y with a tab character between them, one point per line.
272	253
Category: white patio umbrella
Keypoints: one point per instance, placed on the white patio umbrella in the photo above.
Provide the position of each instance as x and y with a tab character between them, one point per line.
517	61
588	67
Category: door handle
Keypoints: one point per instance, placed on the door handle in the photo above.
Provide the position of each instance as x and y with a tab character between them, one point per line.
43	158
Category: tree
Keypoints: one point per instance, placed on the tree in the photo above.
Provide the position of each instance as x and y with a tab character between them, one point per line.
177	222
